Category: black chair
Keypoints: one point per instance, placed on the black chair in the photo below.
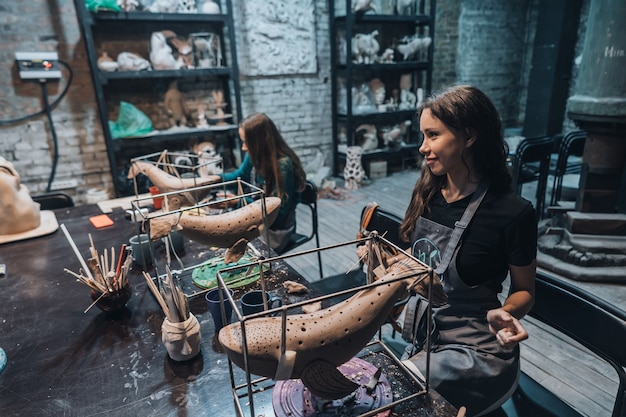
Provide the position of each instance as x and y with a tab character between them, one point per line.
308	198
387	224
531	163
572	144
53	200
595	324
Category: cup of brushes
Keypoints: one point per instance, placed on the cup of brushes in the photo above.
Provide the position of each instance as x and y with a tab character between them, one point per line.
106	274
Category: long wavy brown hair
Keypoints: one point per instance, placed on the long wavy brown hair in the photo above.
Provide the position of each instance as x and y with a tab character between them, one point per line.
467	110
266	147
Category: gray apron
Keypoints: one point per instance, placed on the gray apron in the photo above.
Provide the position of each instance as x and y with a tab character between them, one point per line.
467	364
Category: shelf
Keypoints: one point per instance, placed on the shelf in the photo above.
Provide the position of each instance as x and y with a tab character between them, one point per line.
419	19
168	136
358	86
159	17
180	73
374	118
116	32
392	66
383	153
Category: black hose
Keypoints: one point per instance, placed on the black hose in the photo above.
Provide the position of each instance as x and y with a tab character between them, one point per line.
55	142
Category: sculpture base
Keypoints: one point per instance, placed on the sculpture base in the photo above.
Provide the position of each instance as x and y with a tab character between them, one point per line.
582	257
291	398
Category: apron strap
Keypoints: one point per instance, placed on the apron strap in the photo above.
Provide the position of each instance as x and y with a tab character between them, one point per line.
461	225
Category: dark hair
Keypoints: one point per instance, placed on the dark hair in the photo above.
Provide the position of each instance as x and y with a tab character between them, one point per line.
467	110
265	147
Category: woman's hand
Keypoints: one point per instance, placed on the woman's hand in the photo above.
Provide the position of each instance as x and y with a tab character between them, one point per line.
508	330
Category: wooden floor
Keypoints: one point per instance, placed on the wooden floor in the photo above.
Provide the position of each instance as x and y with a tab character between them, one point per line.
564	366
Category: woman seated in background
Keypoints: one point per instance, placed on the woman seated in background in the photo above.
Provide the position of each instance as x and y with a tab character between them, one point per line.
273	166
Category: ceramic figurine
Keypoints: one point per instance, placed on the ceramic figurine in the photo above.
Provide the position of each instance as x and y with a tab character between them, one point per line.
387	56
129	61
207	49
175	105
365	47
405	7
210	7
181	340
206	152
161	55
201	117
186	6
361	6
106	63
353	173
183	51
218	105
366	137
412	46
221	230
318	343
163	6
128	5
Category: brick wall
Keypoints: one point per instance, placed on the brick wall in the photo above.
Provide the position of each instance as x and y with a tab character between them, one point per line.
483	42
39	25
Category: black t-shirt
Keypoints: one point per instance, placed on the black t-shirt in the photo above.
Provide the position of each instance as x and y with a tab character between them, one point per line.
503	232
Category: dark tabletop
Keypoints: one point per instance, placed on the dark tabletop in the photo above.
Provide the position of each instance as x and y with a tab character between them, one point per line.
64	362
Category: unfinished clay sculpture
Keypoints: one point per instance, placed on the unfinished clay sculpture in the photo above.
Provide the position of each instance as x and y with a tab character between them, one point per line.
317	343
166	182
175	105
221	230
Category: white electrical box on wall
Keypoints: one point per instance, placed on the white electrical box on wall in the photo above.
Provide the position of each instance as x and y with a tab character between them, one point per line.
38	65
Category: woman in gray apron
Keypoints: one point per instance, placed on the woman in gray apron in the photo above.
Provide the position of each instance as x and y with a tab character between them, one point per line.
467	224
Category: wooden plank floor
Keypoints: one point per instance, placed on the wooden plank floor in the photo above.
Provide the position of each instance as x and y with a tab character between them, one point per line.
561	364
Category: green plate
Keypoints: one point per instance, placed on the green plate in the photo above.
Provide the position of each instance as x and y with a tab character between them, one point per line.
205	275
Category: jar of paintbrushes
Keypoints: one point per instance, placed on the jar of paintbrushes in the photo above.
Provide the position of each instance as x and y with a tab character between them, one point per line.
106	274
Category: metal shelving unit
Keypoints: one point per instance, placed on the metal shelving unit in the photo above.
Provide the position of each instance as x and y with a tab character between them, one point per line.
392	30
116	30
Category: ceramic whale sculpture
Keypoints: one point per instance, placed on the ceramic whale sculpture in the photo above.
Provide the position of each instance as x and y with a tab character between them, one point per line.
317	343
221	230
166	182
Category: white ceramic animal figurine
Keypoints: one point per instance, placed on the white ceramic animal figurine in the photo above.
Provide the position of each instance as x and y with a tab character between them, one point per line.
353	173
413	46
365	47
317	343
405	7
161	55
